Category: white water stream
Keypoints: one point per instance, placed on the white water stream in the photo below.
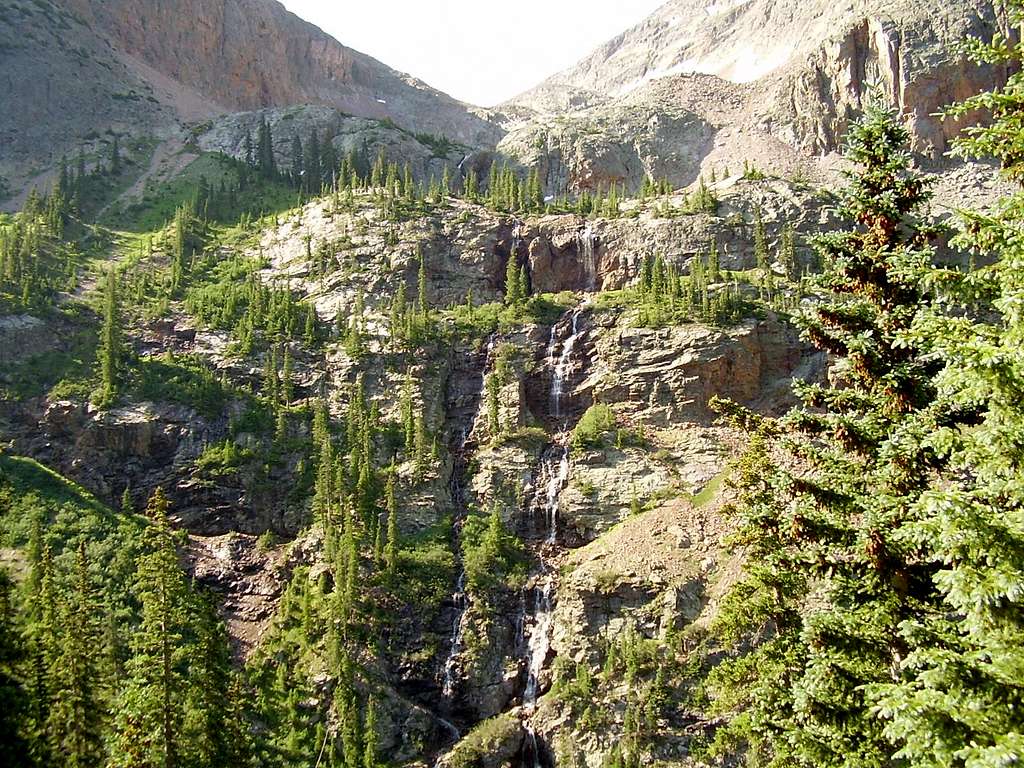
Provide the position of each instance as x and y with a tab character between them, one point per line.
560	360
553	476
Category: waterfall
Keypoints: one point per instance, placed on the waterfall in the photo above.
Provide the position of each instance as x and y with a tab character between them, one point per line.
452	662
457	488
557	476
552	478
555	468
540	637
554	475
517	238
588	255
560	362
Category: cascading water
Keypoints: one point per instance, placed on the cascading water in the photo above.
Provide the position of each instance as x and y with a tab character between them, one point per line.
452	662
588	255
555	467
460	599
553	476
557	474
560	360
517	238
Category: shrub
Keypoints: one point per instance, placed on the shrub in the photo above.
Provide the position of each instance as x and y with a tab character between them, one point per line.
597	425
492	556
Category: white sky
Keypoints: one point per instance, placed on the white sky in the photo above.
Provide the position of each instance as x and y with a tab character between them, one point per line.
480	51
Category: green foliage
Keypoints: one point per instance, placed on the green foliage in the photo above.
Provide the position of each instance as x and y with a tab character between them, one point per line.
492	556
801	694
66	372
214	185
38	254
229	295
223	459
958	700
595	428
480	321
102	592
484	741
110	344
425	569
186	380
662	297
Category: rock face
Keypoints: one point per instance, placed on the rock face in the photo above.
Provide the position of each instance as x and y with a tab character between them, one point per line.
150	64
619	145
48	52
570	253
659	383
767	76
904	53
22	336
248	54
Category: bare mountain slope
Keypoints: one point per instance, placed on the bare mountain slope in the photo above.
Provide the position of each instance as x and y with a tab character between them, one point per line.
250	54
813	62
76	69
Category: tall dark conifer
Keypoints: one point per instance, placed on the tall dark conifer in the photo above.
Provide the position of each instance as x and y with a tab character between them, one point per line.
826	489
150	712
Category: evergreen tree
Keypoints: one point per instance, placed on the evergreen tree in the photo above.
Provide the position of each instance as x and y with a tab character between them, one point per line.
14	702
75	724
311	164
110	343
959	700
513	288
115	156
787	251
760	241
150	712
424	306
825	520
265	151
370	735
391	549
213	718
298	163
714	273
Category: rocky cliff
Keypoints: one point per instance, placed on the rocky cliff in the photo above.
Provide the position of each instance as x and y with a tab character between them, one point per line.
248	54
150	65
754	80
455	657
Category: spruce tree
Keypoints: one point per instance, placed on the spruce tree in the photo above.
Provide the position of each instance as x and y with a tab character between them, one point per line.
150	712
959	700
115	156
424	305
14	700
298	162
370	736
75	724
391	548
311	164
211	719
760	241
513	288
110	342
825	490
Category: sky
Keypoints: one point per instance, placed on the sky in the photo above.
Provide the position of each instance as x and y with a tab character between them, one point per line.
480	51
